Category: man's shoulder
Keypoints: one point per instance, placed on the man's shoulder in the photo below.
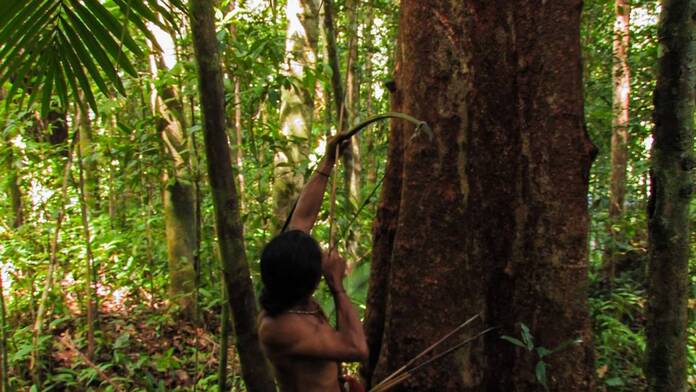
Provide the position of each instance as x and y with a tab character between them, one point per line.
284	330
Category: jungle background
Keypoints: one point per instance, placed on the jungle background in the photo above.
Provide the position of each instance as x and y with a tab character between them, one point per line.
111	277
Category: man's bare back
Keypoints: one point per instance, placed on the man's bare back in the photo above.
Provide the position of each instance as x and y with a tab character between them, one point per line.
304	348
296	372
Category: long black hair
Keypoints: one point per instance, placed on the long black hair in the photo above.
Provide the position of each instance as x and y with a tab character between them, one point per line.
290	270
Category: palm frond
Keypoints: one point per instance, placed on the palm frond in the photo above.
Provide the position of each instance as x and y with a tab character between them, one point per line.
62	47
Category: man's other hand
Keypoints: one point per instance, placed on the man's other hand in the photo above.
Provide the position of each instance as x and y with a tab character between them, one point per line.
334	268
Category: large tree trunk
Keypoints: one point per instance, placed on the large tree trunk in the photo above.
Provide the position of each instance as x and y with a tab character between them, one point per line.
297	107
491	216
671	189
240	292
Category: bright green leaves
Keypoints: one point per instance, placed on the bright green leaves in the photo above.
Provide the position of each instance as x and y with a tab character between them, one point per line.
58	48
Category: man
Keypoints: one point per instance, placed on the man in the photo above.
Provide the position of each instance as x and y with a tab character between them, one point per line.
295	334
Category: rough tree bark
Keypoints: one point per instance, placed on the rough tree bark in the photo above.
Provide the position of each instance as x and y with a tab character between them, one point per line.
672	186
297	107
240	292
491	216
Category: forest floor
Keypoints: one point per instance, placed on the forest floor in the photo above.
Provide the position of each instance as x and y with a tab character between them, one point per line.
139	347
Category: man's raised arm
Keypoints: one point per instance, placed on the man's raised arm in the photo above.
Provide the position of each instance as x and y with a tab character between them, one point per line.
309	203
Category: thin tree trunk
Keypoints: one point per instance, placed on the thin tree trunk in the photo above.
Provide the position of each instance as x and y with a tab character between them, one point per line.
48	285
13	180
13	186
239	153
236	113
297	105
146	211
198	218
351	159
86	149
496	203
352	102
90	274
240	292
5	383
621	101
224	340
371	156
343	114
113	203
620	128
671	190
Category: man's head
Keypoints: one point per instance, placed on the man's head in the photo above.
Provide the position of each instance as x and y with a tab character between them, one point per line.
290	270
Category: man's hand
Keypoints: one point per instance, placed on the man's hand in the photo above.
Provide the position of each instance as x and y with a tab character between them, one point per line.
336	142
333	267
309	204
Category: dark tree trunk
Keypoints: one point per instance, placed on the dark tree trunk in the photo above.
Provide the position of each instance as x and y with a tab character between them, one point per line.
671	189
491	215
240	293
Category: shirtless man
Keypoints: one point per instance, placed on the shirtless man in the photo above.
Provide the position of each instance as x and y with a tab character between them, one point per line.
294	332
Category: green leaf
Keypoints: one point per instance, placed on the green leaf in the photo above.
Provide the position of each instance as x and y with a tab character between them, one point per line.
81	54
48	87
135	18
8	8
19	22
12	52
541	374
59	80
111	23
527	337
104	38
514	341
86	37
75	73
614	382
135	8
543	351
